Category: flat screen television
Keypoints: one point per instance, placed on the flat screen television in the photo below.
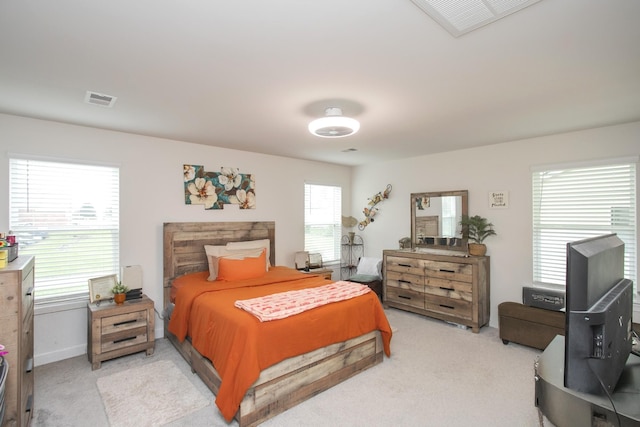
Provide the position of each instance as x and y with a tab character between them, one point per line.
599	307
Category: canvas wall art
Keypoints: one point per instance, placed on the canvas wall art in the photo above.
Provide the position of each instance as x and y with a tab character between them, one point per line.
213	190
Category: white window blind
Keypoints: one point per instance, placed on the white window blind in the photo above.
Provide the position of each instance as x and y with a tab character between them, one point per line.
449	215
574	203
67	216
322	220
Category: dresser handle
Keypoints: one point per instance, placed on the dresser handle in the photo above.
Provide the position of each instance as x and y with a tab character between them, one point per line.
446	271
446	289
29	292
28	365
404	297
404	281
405	265
29	404
447	306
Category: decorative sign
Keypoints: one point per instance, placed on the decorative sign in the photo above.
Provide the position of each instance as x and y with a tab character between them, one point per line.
499	199
215	189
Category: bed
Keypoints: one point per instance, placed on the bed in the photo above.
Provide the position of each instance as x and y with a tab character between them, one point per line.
280	384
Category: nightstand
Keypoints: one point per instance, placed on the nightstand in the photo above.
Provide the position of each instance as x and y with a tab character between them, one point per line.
117	330
321	272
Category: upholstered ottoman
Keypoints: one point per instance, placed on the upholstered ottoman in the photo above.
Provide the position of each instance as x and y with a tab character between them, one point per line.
530	326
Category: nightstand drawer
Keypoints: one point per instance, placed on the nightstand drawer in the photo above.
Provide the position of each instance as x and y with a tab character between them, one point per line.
124	330
124	322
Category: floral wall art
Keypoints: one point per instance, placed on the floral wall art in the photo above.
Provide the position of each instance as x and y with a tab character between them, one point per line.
215	189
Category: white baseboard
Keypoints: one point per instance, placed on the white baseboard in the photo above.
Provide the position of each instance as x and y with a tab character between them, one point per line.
55	356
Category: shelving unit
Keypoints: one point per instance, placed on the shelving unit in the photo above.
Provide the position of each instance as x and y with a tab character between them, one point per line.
351	253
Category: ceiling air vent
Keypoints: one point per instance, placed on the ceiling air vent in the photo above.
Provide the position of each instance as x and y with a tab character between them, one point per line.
461	16
100	99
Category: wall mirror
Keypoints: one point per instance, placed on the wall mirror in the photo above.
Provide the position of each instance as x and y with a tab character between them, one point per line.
435	220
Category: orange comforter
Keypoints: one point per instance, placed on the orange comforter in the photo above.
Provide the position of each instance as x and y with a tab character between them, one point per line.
240	346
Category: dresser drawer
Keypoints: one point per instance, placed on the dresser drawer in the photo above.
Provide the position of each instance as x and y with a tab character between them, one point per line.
27	295
404	296
449	306
449	270
449	288
405	265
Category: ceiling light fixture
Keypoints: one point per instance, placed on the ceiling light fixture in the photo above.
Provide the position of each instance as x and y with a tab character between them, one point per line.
334	124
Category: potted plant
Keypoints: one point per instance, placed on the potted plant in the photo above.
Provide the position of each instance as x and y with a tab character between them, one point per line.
477	229
119	292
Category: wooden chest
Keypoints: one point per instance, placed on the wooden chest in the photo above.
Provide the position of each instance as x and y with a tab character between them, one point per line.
447	287
117	330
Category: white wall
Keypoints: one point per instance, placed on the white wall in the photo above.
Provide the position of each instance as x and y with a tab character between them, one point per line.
151	193
500	167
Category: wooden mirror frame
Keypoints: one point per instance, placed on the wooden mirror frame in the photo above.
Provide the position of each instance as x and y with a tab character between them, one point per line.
457	243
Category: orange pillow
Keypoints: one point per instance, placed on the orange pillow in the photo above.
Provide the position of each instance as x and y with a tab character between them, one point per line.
238	269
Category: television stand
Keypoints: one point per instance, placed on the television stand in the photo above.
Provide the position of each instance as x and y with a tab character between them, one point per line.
568	408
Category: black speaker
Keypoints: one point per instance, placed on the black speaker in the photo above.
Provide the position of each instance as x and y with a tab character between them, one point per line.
548	299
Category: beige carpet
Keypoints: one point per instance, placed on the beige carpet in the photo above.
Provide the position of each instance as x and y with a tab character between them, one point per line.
149	395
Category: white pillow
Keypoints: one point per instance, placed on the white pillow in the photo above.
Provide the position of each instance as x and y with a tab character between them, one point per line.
370	267
252	244
216	252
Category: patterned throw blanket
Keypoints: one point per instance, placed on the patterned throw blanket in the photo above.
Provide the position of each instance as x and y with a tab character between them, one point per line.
285	304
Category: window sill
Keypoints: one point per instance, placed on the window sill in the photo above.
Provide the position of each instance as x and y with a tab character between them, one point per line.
58	307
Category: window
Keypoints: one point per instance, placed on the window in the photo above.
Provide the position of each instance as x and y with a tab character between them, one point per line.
578	202
322	220
449	215
67	216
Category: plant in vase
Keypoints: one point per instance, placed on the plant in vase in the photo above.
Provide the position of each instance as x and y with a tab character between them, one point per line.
477	229
119	292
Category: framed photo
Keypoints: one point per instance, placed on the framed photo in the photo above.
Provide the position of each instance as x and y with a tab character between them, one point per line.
100	287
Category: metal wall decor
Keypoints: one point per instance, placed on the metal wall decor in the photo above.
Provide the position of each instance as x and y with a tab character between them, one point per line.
371	210
215	189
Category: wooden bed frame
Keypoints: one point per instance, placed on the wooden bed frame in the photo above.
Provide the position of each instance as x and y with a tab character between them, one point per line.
287	383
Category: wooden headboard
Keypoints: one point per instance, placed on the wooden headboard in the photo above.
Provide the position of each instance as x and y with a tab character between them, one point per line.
183	244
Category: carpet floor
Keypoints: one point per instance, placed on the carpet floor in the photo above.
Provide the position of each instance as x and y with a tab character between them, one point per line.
149	395
438	375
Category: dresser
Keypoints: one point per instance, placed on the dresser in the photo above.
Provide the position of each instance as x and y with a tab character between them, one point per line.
16	334
117	330
447	287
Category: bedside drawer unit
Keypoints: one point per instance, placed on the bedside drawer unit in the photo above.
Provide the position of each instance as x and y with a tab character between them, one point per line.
118	330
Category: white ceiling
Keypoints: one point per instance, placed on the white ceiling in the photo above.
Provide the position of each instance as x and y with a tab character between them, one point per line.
250	75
